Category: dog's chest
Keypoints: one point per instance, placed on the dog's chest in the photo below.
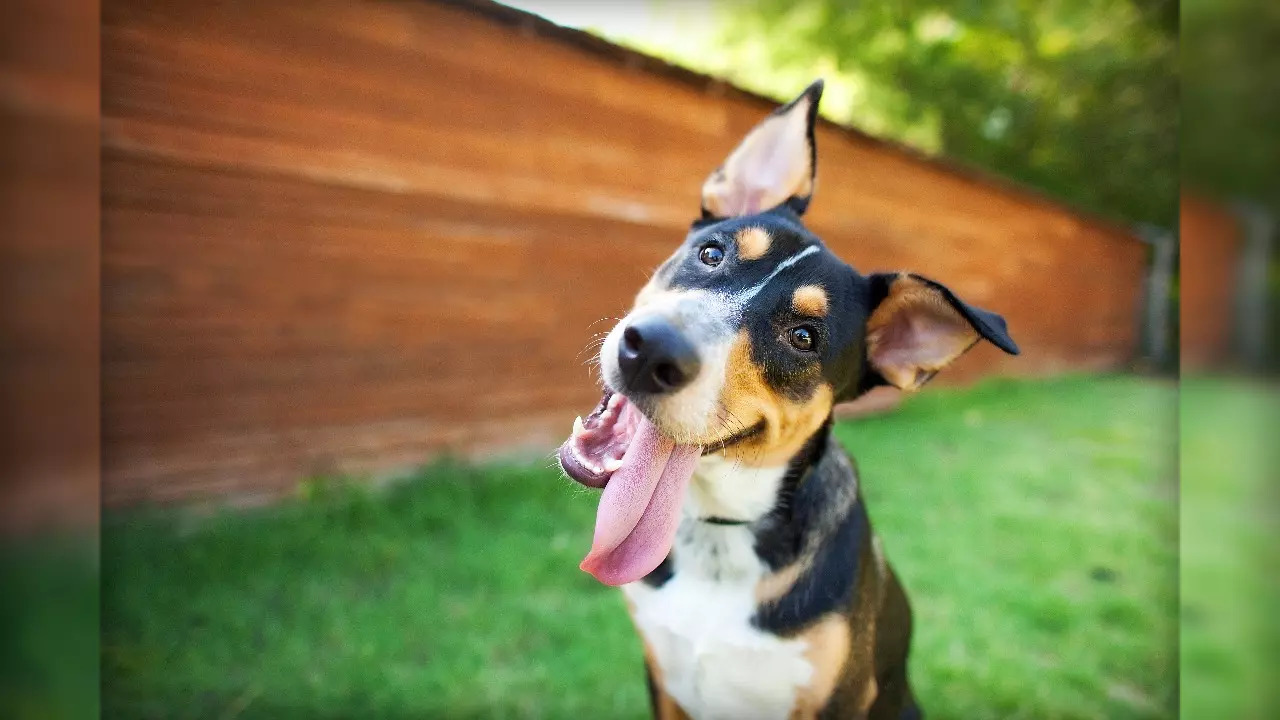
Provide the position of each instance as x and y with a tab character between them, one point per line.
697	626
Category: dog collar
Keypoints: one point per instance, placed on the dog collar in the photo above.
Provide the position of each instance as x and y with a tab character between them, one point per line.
724	521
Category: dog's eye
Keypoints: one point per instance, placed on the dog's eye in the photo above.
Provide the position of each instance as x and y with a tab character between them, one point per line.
801	338
711	255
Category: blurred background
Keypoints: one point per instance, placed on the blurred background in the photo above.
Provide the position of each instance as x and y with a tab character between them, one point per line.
353	256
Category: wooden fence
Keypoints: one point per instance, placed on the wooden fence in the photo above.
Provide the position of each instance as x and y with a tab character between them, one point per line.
349	237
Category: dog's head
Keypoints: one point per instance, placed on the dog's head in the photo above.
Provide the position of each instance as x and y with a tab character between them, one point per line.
742	342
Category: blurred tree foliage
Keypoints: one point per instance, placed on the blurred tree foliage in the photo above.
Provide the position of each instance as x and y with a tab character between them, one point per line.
1231	98
1078	98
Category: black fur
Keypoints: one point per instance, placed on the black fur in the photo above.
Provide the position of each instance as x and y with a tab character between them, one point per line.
828	585
780	537
660	575
818	516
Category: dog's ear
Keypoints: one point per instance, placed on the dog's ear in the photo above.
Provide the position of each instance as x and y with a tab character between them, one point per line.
917	327
774	164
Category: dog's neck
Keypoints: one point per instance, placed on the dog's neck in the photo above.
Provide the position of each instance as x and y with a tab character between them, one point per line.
730	491
783	513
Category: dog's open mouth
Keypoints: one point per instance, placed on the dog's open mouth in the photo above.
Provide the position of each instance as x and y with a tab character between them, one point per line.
644	474
595	448
599	442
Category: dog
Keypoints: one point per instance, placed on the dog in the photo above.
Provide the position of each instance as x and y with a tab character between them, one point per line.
732	520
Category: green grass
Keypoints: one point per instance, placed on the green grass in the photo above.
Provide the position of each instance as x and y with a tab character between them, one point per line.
49	621
1033	523
1230	640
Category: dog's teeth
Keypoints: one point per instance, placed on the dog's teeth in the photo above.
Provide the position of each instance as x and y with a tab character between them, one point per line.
584	462
612	464
614	401
578	428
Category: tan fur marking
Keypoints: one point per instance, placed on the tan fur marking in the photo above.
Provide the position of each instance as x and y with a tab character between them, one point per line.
775	585
810	300
911	306
753	243
869	693
829	647
665	706
748	399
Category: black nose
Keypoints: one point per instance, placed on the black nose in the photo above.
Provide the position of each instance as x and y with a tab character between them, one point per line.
655	357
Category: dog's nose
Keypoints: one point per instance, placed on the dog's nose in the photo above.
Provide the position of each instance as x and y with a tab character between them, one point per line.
655	357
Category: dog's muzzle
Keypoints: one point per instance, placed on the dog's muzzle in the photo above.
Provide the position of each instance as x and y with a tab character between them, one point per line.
655	357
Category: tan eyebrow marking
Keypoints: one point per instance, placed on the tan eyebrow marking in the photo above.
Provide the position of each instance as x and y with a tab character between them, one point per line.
753	243
810	300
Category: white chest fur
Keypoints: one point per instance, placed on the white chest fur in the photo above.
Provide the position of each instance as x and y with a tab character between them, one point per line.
713	662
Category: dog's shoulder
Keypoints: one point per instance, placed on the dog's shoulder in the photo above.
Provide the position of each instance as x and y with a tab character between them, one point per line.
818	545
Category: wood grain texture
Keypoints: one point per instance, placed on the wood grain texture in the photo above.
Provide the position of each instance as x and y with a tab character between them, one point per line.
351	237
49	262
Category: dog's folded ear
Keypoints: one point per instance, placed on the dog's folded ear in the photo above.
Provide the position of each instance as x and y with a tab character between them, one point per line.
774	164
917	327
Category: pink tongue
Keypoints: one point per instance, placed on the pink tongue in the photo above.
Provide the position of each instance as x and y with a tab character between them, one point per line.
640	507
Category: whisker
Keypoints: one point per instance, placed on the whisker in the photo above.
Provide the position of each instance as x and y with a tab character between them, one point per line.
593	342
729	426
597	322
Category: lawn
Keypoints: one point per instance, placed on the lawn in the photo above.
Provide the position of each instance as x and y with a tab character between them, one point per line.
1230	590
1033	523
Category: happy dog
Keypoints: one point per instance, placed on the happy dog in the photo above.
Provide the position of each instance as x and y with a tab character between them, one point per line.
730	518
